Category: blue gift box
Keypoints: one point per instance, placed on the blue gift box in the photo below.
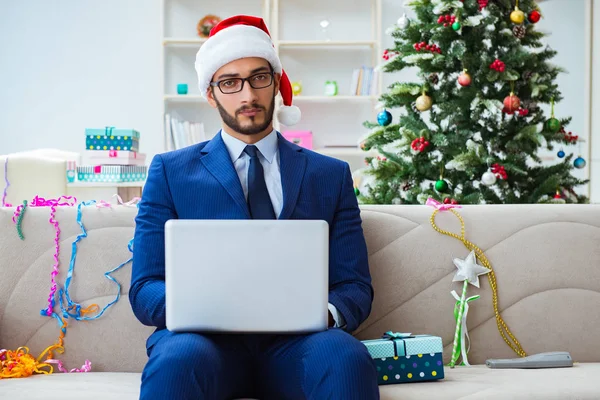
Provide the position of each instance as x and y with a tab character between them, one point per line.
111	138
403	358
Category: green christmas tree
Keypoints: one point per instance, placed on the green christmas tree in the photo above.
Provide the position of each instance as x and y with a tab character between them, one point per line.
470	130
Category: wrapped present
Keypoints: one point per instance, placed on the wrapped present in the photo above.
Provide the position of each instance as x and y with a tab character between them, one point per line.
111	138
112	173
402	357
71	171
115	157
301	138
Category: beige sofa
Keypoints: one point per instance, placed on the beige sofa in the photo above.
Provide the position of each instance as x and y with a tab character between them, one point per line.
546	258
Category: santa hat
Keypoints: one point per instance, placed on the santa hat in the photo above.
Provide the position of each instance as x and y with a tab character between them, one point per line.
244	36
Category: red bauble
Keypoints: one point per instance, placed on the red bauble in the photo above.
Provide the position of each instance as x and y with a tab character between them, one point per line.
512	103
464	79
534	16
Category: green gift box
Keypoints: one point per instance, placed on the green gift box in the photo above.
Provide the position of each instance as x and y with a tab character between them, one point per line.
111	138
112	173
403	358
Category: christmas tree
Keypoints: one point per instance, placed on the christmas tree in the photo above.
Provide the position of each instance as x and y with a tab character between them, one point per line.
471	128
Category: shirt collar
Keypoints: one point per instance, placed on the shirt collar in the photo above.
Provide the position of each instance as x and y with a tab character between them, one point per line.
267	146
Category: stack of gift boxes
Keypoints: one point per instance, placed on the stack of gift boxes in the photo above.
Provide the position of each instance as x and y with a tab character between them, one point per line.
113	156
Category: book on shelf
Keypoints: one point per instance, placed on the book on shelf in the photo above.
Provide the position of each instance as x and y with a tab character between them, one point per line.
179	134
364	81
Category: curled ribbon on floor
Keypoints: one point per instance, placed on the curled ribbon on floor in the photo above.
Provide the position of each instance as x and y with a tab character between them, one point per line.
464	342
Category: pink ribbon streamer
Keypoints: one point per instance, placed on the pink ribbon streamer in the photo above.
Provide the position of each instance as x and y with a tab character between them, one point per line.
52	203
87	367
130	203
440	206
103	204
17	213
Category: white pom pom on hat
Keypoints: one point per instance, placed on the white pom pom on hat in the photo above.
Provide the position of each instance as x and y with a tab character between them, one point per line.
244	36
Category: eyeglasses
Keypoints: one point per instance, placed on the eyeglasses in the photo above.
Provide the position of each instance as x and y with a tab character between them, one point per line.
234	85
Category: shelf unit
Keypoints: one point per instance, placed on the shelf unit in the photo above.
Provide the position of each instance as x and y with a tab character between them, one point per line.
179	50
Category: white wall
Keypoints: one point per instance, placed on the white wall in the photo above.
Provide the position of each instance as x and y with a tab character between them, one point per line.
71	64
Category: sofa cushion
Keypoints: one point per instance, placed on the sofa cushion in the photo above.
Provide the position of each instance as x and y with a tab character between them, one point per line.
480	382
464	383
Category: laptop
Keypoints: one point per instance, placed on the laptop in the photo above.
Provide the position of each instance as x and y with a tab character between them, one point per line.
247	276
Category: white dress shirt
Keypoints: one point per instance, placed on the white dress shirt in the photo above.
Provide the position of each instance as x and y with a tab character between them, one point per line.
268	154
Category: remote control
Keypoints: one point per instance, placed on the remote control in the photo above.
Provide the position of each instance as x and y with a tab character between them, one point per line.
555	359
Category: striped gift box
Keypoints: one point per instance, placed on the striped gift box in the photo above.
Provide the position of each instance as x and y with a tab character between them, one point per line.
112	173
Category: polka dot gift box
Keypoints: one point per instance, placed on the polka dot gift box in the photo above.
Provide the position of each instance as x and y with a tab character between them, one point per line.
111	138
403	358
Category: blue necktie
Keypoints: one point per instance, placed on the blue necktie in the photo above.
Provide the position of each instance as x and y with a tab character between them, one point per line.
258	195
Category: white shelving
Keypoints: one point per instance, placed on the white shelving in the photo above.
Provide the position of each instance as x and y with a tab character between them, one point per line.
301	98
183	41
307	56
187	98
326	43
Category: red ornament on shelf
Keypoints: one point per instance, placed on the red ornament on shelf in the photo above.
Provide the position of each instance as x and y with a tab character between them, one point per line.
534	16
482	4
419	144
498	66
449	200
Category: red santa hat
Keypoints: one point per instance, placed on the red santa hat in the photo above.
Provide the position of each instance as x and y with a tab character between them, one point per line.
244	36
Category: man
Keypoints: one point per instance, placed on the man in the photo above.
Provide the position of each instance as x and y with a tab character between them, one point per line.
248	170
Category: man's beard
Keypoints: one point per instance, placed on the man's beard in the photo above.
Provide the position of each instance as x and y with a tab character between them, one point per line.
252	129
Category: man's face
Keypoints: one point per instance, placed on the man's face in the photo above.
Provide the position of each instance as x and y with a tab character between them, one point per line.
248	111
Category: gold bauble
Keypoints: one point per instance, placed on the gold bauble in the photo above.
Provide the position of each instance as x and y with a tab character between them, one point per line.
424	102
517	16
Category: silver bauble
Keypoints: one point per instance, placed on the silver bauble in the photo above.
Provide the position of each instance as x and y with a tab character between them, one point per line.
488	179
403	22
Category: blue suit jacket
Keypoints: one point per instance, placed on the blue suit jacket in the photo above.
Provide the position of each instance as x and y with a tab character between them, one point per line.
200	182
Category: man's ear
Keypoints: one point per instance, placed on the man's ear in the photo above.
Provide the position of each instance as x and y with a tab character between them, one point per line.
210	97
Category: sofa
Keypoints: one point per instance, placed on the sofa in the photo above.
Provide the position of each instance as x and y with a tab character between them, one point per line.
546	260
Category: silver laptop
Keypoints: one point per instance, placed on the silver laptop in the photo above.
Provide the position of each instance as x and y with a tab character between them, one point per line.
255	276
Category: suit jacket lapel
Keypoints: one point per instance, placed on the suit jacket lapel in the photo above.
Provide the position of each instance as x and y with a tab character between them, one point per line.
292	165
218	162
